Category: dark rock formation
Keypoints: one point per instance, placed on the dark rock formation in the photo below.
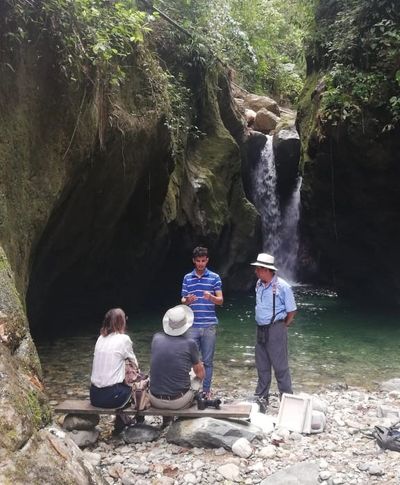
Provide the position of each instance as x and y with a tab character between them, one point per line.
101	203
350	148
286	143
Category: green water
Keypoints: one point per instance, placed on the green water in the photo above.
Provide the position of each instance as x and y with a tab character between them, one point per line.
331	342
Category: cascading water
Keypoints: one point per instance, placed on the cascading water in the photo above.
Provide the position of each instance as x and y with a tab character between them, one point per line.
265	198
289	235
279	225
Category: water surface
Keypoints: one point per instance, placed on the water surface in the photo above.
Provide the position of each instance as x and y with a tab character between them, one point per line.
331	342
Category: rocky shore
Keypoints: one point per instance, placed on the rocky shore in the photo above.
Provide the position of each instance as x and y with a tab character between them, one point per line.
344	453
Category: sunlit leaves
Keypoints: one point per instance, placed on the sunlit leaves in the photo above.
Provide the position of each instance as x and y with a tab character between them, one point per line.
360	44
257	38
86	32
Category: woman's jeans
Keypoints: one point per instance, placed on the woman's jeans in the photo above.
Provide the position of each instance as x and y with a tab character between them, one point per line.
205	338
115	396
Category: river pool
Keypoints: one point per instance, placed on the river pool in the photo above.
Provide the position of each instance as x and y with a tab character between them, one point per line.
332	342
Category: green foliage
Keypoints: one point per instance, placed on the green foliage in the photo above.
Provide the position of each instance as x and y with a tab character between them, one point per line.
253	37
86	33
179	116
359	45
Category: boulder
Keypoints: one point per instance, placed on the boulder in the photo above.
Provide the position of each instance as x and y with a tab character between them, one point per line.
84	437
49	456
286	145
250	116
305	473
80	421
255	102
140	433
209	433
242	448
265	121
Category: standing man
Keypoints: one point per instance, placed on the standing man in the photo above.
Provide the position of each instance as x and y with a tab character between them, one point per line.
202	290
275	310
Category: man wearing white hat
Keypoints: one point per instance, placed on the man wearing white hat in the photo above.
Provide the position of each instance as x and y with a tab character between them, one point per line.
173	355
275	310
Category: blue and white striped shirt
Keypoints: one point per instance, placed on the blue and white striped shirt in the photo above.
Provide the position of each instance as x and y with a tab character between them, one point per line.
204	310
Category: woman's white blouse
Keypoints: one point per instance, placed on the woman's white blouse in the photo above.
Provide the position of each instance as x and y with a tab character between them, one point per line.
109	359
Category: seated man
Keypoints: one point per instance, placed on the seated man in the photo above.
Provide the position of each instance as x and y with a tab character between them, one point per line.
173	355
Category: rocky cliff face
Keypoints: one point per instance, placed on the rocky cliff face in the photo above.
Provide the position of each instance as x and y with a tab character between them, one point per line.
350	195
96	205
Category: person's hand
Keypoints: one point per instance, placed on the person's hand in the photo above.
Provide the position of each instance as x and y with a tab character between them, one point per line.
190	299
207	295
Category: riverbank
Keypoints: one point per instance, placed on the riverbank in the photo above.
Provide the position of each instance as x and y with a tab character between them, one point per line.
343	454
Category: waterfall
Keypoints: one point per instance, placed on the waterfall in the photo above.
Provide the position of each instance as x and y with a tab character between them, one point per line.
279	225
266	199
289	236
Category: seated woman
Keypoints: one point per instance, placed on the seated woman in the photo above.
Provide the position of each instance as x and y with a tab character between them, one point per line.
113	347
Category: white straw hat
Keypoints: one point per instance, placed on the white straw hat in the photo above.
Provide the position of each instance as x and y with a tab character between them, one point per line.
265	261
177	320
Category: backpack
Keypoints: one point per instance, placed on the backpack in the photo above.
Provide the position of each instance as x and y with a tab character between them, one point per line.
140	392
388	438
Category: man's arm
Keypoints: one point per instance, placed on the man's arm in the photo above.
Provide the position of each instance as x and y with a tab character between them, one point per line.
217	299
199	371
289	318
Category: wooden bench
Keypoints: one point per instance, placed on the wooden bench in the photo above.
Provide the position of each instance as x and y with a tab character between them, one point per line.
79	406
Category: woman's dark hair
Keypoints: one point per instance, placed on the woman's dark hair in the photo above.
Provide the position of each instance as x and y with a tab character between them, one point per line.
114	321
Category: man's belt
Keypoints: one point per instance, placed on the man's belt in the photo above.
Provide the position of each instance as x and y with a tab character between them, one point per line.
165	397
269	324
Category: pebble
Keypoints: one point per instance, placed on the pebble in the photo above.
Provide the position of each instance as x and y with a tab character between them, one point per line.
220	451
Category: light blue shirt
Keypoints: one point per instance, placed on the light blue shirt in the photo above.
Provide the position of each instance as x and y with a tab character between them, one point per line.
284	300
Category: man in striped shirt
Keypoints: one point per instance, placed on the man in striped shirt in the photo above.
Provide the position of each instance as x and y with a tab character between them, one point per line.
202	290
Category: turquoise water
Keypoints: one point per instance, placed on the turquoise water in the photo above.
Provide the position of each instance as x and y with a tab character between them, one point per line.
332	342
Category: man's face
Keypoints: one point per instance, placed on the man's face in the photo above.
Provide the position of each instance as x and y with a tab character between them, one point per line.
200	263
264	274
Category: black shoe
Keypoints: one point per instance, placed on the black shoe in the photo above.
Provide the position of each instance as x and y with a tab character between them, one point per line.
262	402
119	425
166	421
122	422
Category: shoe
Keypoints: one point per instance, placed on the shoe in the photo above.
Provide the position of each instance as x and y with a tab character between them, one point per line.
206	395
262	402
121	422
166	421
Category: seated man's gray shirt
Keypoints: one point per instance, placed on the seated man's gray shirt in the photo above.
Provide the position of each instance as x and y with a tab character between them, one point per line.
170	364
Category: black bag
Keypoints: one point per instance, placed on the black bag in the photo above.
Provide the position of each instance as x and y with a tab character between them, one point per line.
388	438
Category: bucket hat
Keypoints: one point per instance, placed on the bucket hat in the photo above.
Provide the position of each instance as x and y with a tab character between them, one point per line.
177	320
265	261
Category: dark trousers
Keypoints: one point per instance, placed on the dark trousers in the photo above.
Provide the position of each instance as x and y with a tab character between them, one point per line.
272	351
115	396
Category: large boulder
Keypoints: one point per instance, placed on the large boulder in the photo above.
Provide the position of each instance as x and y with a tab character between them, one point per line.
209	433
255	102
265	121
286	143
49	456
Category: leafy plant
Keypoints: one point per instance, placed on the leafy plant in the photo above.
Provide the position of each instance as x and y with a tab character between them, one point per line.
86	33
359	45
252	37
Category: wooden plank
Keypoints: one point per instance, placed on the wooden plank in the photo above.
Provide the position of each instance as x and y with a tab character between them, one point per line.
226	411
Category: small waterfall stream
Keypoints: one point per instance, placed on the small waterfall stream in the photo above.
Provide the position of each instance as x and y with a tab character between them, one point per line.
279	225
